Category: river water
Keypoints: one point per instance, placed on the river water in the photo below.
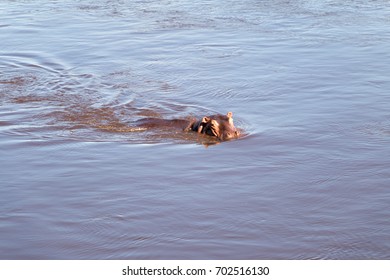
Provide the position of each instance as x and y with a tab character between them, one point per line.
307	80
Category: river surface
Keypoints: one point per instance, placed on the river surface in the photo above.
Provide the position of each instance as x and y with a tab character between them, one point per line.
308	81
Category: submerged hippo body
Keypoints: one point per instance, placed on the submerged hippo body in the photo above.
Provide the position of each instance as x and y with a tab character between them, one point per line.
217	126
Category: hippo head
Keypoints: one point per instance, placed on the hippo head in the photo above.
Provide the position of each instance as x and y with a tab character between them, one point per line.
220	126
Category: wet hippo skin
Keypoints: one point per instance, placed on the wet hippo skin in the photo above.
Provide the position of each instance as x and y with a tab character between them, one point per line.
218	126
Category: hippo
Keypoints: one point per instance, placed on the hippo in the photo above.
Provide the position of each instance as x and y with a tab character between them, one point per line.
217	126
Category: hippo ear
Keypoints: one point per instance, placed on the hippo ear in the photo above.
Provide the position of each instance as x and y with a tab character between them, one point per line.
214	128
214	123
205	119
230	117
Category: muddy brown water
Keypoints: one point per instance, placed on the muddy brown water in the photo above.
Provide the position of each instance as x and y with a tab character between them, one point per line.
308	82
